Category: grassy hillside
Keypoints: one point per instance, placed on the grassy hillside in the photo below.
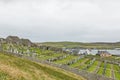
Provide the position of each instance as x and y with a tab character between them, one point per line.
82	45
14	68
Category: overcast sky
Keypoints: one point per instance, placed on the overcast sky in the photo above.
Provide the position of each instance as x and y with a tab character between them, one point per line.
61	20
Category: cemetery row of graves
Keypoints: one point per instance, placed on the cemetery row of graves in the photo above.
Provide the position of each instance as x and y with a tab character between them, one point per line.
88	63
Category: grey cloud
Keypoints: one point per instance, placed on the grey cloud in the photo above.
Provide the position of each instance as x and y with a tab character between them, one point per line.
58	20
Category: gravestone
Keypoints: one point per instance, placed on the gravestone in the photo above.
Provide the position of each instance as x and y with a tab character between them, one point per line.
34	55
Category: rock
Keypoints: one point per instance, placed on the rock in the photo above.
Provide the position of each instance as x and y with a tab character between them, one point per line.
13	40
2	40
26	42
16	40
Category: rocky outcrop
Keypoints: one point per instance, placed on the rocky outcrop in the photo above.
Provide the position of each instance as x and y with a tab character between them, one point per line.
16	40
27	42
13	40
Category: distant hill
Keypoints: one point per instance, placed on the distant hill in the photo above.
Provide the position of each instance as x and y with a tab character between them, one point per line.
98	45
14	68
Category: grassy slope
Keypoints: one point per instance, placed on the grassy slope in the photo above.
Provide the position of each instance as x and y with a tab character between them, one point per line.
14	68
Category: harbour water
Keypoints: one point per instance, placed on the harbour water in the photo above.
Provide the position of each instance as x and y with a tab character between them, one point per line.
95	51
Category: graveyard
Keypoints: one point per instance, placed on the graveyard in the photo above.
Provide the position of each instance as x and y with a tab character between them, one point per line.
107	67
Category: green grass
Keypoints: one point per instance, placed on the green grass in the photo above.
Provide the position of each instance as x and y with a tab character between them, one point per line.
96	63
47	54
78	62
92	69
82	64
81	45
116	71
14	68
108	66
116	67
102	64
88	61
117	75
100	71
66	60
108	73
82	67
4	76
54	55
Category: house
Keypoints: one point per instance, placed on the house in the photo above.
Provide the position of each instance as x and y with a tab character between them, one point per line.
104	54
85	51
